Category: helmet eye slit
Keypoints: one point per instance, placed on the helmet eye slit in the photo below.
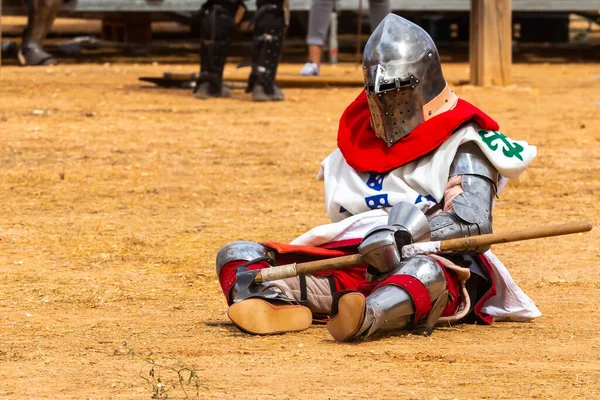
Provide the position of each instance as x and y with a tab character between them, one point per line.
394	84
384	87
405	83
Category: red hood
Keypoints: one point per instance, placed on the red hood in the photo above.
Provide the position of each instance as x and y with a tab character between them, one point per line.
365	152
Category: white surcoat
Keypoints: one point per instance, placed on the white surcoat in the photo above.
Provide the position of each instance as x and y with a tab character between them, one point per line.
359	201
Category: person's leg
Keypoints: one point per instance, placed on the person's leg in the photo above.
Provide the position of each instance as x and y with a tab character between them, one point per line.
259	309
269	31
314	53
318	24
41	15
216	28
415	294
378	9
285	305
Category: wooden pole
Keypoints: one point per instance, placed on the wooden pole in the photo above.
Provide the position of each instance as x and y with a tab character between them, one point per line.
471	242
475	242
490	42
290	270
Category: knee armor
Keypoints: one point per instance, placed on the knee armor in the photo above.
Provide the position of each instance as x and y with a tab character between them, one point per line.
240	251
253	253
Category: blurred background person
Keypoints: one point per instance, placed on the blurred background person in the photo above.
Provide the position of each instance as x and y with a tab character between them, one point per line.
318	25
218	20
40	17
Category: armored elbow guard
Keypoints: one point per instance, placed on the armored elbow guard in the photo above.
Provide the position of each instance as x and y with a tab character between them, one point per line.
472	209
381	247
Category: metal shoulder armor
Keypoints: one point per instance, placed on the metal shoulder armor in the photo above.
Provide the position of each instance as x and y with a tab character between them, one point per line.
473	208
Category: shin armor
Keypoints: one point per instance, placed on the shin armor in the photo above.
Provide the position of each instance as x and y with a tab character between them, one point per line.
217	24
413	296
269	29
313	291
257	308
398	306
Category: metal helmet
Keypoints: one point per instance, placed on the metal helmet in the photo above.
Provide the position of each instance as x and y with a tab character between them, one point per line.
402	72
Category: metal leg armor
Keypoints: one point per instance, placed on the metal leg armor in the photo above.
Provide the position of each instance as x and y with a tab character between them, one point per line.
41	15
251	253
414	295
217	24
269	30
264	308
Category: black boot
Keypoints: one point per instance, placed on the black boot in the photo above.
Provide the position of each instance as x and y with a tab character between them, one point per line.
41	15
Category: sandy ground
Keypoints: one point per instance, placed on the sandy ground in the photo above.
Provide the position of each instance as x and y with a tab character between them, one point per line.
115	199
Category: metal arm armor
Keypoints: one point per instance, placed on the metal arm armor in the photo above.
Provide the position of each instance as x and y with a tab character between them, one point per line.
381	246
473	208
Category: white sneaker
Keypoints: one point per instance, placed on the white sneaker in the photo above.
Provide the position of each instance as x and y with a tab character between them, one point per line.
310	69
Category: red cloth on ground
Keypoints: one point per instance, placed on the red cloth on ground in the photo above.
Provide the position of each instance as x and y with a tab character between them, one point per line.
365	152
332	250
453	287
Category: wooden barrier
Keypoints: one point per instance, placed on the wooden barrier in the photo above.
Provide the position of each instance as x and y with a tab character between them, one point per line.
490	42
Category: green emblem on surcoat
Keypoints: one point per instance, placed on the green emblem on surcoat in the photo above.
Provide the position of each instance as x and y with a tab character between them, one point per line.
510	148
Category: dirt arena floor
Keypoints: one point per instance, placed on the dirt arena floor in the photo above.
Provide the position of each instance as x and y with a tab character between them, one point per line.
115	198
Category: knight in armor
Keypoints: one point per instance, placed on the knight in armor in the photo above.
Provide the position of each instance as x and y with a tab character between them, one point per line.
414	163
218	20
41	15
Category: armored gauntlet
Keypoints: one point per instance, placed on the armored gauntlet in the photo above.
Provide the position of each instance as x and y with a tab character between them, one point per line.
381	247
